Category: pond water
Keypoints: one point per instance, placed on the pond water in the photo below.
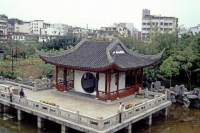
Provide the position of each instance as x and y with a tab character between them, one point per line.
179	120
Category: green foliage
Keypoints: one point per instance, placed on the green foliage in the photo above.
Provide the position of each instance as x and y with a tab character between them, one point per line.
129	41
170	67
63	42
47	69
149	76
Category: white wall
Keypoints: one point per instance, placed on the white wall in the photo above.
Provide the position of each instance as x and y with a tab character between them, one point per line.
77	81
36	25
122	81
102	82
49	31
78	87
113	87
18	37
24	28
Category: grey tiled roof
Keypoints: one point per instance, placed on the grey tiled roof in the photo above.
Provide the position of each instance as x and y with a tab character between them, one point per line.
91	55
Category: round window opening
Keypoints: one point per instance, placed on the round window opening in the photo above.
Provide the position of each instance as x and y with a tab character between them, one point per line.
88	82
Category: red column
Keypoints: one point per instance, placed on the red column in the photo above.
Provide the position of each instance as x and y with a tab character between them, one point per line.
136	78
56	77
141	77
108	80
117	84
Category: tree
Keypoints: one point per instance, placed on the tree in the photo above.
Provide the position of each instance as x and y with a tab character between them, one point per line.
63	42
47	69
170	68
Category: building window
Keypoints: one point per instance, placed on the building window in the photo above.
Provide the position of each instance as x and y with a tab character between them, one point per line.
161	23
170	24
148	23
144	23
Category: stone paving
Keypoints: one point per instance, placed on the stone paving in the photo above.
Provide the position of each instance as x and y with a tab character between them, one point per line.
84	105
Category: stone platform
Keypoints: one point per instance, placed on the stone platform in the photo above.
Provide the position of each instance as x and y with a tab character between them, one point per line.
84	112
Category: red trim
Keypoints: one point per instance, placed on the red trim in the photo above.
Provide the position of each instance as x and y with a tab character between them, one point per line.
112	66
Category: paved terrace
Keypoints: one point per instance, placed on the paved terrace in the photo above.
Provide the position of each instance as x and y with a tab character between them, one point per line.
94	116
85	105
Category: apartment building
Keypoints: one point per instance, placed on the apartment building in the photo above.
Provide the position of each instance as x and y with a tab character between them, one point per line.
195	30
63	28
157	23
37	25
122	29
12	22
3	28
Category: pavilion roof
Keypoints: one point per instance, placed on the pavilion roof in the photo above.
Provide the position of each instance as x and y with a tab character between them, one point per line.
92	55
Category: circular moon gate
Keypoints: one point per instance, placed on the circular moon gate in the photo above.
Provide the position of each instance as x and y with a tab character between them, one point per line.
88	82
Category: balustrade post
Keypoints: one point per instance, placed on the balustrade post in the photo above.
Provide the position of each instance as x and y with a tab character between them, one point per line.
57	110
77	117
25	100
100	125
146	92
133	110
146	104
156	97
40	105
166	93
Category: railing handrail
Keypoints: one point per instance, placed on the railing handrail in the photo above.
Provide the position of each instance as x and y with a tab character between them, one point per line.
97	123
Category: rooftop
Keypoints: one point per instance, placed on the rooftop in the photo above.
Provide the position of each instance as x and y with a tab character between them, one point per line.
93	55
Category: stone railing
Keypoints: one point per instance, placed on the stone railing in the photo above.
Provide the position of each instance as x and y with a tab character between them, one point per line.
16	84
36	86
98	123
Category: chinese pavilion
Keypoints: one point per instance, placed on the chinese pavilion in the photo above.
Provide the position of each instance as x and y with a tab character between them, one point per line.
108	70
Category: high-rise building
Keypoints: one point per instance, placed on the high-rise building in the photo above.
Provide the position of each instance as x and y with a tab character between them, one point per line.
145	12
3	28
157	23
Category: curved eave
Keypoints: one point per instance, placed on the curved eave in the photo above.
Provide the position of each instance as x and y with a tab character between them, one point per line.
133	68
154	58
80	68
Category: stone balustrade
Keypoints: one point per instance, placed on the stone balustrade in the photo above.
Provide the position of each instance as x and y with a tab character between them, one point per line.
98	123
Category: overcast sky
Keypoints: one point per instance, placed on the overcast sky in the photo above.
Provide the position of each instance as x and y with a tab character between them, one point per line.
97	13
